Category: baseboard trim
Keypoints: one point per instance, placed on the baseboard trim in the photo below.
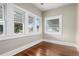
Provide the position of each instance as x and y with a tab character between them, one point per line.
13	52
63	43
60	42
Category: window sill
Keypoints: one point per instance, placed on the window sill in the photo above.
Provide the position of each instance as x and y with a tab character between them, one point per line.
5	37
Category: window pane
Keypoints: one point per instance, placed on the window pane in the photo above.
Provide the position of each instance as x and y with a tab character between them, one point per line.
37	24
53	25
31	24
18	27
0	12
1	27
1	18
19	15
18	21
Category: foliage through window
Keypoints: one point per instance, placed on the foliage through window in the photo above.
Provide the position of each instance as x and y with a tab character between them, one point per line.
18	21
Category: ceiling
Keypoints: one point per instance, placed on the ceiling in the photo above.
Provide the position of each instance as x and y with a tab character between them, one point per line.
48	6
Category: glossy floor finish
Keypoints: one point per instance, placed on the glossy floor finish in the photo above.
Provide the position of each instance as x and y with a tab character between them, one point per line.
49	49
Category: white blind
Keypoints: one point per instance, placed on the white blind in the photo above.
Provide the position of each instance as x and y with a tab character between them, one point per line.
0	12
19	16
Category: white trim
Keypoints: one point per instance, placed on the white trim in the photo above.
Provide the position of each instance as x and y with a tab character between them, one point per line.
28	13
18	7
60	42
3	37
77	46
60	24
13	52
20	10
3	19
40	24
12	35
63	43
3	14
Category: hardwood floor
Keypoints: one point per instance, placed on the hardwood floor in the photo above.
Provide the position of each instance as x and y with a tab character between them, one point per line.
49	49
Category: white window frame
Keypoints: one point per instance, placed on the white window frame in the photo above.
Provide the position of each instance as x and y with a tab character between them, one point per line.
8	9
25	30
16	8
31	15
3	21
60	24
40	26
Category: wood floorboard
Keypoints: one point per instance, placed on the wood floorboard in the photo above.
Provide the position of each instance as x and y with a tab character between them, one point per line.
49	49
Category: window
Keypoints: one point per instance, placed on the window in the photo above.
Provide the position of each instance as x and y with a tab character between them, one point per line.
2	28
15	20
54	24
34	24
37	24
31	23
19	17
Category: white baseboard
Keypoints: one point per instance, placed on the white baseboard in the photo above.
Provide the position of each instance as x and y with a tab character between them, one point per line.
63	43
15	51
60	42
77	47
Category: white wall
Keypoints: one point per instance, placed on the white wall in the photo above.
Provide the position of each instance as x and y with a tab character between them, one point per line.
69	27
22	39
30	7
11	44
77	23
69	23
